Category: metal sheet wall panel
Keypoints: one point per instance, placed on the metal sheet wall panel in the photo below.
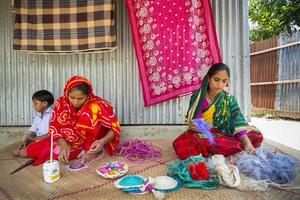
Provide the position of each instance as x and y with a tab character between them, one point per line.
264	68
231	19
114	75
288	95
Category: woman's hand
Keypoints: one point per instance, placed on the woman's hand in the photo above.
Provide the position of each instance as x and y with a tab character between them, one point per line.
86	157
248	147
82	154
64	151
96	147
192	126
89	157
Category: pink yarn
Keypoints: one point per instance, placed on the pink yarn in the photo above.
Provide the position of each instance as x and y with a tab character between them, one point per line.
138	151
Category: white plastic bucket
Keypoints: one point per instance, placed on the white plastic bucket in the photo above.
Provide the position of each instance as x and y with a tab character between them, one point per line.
51	171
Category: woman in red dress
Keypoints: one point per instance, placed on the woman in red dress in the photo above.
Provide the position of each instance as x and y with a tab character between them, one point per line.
82	125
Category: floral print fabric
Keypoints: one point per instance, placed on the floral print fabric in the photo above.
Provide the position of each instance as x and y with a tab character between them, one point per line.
175	43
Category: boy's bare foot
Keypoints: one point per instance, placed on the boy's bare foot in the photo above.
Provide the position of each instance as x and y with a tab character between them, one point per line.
20	152
16	152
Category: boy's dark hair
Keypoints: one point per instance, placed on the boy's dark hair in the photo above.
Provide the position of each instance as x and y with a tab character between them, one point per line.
84	88
43	95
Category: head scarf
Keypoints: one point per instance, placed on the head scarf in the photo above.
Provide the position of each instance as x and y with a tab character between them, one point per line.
75	81
71	124
79	128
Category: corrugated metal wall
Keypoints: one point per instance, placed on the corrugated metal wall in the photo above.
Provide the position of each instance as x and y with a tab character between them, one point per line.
264	68
231	19
114	75
288	95
275	76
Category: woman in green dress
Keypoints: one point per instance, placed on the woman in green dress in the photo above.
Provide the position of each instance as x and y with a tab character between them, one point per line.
214	106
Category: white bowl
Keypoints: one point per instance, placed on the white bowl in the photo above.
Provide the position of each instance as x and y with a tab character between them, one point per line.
164	183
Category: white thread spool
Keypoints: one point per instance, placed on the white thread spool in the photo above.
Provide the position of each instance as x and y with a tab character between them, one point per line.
51	171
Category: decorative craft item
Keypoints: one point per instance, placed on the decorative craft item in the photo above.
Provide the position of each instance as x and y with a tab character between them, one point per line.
148	186
76	166
165	184
113	169
131	183
135	184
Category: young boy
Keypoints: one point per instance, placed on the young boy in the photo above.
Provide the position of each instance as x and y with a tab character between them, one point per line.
42	101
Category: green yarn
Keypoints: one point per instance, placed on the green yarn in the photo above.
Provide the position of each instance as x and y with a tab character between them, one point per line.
179	171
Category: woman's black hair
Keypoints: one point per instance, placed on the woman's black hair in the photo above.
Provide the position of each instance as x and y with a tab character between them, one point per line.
215	68
43	95
84	88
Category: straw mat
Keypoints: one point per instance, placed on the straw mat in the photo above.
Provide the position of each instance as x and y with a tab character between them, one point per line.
86	184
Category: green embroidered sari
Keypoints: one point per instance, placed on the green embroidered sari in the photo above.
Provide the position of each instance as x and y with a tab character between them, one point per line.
227	116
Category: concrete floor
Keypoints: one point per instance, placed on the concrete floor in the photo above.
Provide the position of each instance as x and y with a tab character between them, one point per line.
280	133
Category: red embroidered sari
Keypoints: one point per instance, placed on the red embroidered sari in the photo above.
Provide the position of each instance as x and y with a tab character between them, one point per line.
80	128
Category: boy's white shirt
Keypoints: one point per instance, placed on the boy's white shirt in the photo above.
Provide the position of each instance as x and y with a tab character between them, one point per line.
40	125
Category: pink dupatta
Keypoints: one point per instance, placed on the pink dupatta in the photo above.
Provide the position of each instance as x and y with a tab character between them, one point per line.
175	43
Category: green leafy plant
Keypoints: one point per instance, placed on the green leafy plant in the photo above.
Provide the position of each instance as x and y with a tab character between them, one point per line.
270	18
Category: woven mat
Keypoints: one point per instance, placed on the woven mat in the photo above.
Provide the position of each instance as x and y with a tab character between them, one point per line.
86	184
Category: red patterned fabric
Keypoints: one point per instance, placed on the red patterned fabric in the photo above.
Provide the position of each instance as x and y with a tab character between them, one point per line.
190	144
175	43
80	128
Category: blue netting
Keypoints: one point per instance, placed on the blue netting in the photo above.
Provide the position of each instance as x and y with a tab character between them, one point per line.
268	165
